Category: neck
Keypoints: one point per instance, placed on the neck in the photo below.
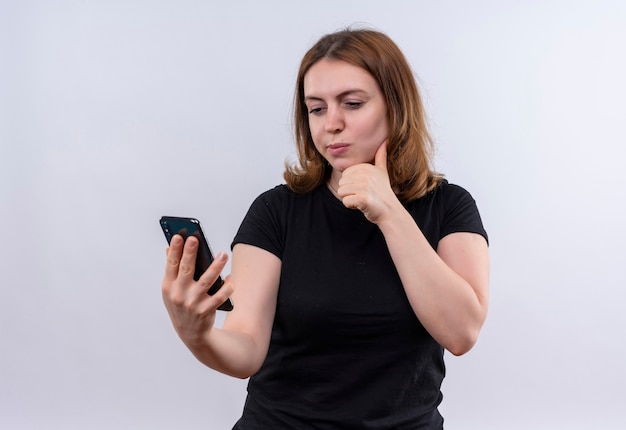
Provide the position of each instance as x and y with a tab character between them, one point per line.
333	188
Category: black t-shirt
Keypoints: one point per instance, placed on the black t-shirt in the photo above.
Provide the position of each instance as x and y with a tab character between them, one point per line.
346	351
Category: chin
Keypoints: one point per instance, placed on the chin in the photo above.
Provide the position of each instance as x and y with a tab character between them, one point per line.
342	164
340	167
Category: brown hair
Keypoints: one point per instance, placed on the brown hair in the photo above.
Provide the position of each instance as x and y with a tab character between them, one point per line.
409	147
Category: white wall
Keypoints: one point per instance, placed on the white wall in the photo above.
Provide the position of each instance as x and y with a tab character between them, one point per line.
113	113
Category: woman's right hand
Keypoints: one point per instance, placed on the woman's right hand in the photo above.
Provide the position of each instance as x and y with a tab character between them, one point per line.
190	308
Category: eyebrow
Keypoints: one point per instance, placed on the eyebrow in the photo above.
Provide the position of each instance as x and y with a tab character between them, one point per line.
339	96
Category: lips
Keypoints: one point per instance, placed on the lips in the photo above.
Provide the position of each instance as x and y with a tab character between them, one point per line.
336	149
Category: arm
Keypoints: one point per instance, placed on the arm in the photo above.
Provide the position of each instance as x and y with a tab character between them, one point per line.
447	288
256	273
239	348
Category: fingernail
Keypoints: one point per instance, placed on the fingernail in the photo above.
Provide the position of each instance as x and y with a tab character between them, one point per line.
221	256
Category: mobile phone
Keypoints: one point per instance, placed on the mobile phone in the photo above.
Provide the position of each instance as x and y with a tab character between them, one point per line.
191	227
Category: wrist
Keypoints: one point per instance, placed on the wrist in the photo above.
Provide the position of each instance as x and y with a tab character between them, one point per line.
394	219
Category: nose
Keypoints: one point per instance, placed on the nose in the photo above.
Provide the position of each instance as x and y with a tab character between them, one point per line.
334	121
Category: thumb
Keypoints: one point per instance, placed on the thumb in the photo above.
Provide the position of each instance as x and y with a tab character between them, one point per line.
380	158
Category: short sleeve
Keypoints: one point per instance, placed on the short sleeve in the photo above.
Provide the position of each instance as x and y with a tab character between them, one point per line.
461	213
263	225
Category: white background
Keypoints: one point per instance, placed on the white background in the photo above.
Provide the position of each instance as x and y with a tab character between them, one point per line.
113	113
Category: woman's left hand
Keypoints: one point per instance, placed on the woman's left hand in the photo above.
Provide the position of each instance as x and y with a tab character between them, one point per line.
366	187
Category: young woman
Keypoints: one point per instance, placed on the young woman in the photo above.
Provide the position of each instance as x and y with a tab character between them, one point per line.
350	280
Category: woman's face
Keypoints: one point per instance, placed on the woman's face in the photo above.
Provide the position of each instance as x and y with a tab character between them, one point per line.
347	113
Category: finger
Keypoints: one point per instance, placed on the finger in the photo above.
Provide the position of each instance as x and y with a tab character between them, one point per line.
187	264
210	275
210	302
215	301
173	253
353	202
380	159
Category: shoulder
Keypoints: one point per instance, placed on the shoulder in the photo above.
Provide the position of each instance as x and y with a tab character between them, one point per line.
282	195
278	192
281	202
276	196
264	223
269	217
443	195
447	192
448	208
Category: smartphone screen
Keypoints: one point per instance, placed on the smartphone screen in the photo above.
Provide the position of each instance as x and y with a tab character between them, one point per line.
191	227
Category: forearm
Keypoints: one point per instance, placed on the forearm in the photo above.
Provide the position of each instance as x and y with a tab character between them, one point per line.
229	352
446	304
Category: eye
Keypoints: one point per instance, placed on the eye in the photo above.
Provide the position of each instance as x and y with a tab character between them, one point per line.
315	110
354	104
